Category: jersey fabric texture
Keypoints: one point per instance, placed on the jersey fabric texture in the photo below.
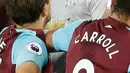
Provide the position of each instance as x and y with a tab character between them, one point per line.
66	34
22	45
20	53
101	46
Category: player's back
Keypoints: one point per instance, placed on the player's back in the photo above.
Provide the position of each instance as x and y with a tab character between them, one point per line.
10	38
99	47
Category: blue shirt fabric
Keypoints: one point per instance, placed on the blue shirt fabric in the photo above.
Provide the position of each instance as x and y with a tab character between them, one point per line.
62	37
20	49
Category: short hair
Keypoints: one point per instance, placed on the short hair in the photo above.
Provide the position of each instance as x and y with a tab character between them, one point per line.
25	11
122	9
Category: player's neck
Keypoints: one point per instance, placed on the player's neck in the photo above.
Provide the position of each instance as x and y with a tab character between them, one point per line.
39	24
115	16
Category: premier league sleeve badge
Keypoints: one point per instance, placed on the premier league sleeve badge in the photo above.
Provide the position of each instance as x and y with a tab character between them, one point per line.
34	48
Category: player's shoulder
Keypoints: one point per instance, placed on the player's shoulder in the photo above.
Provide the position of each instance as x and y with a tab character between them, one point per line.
27	36
28	39
3	30
92	23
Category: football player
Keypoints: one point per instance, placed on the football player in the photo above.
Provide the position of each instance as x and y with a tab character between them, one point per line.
99	46
22	47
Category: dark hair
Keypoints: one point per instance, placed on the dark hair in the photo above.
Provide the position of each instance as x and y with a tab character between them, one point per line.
25	11
122	9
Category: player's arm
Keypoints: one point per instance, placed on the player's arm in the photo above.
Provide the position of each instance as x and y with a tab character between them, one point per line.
60	38
49	41
28	67
29	54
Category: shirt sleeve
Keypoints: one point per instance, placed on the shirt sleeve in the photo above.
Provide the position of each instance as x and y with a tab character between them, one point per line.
97	8
29	48
109	4
62	37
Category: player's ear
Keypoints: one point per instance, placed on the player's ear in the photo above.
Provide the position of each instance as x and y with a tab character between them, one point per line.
45	10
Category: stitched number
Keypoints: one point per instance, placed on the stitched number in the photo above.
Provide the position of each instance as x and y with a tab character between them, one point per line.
84	64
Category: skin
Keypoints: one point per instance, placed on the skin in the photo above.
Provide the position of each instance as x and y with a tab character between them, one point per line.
107	13
28	67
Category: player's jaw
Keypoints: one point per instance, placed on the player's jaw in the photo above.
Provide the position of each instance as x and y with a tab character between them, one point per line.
46	12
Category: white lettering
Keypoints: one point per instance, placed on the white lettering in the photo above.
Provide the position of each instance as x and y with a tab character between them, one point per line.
93	37
85	37
2	45
76	40
106	42
107	49
111	54
100	39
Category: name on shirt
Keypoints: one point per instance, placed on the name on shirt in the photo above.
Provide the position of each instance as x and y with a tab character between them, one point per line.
2	44
98	39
